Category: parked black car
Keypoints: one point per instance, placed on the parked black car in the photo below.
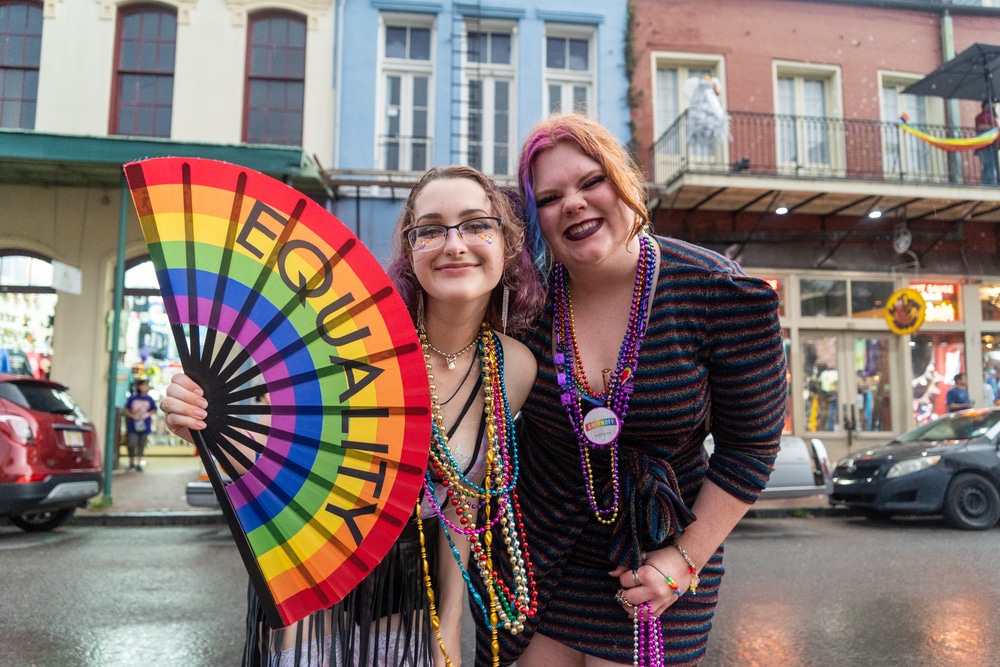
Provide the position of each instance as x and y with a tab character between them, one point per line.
949	466
50	459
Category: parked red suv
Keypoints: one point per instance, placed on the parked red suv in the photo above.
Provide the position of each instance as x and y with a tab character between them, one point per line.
50	460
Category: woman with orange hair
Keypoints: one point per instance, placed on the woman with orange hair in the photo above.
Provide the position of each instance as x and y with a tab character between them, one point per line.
645	345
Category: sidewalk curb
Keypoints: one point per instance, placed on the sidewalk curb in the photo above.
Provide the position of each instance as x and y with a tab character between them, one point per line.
800	512
200	518
133	519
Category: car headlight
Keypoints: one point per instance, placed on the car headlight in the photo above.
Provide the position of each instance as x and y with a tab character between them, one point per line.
910	466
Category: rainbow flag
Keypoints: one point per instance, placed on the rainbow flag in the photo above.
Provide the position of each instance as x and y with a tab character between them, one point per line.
953	144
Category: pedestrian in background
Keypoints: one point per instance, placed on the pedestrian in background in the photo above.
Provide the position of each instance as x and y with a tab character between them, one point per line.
958	396
985	122
139	410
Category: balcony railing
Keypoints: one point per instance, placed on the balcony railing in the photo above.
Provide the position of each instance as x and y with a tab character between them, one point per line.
810	147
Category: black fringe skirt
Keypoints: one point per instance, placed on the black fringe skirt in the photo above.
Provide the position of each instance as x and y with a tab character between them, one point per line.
383	622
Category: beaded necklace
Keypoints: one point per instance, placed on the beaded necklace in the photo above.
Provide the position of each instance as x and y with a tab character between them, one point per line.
510	606
602	425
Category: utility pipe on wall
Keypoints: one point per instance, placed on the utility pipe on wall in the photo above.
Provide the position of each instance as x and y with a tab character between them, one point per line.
952	115
111	441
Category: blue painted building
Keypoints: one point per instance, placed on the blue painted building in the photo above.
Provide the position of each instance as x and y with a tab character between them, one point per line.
420	84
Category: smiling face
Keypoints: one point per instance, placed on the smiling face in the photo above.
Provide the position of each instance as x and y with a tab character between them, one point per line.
582	218
457	272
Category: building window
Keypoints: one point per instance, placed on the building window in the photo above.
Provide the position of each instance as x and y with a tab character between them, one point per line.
489	72
809	131
823	298
989	299
144	71
831	298
405	94
276	72
27	312
569	70
672	72
20	52
906	156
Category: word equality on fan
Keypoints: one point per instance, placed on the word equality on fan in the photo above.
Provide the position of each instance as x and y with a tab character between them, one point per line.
295	268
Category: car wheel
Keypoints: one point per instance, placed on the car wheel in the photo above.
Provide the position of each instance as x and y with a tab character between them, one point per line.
972	503
40	522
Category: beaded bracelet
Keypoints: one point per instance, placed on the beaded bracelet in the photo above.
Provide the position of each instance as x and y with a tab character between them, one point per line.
695	579
673	585
670	582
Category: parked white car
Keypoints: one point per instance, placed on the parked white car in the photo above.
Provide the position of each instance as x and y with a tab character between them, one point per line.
801	470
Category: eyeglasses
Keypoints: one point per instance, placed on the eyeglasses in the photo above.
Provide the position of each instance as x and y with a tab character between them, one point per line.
475	231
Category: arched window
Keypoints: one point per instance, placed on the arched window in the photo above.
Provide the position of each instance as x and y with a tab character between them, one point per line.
140	277
143	94
276	73
27	313
25	271
20	53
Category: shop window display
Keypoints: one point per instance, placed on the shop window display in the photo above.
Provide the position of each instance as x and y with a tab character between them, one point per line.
821	395
27	315
936	358
148	349
991	368
873	402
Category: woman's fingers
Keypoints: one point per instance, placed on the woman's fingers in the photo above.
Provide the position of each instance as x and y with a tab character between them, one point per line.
184	382
638	587
184	406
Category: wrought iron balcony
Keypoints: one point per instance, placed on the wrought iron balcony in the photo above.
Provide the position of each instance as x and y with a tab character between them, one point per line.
809	147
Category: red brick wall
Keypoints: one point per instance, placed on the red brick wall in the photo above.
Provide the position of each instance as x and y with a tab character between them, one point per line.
751	35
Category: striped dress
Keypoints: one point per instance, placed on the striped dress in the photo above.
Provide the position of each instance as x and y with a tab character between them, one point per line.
713	340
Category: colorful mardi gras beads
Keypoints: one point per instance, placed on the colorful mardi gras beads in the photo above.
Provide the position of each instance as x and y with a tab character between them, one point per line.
569	371
510	607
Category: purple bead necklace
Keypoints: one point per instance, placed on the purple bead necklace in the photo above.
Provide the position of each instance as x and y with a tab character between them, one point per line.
601	426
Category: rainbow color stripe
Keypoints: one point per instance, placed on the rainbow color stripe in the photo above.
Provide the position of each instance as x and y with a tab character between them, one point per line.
954	144
266	289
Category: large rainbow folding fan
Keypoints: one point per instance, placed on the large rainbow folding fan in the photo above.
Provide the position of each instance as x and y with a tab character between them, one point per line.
270	296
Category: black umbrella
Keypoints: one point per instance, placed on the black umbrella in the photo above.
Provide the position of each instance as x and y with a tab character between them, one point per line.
967	76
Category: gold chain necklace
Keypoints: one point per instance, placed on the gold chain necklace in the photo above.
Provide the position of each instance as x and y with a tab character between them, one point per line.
450	358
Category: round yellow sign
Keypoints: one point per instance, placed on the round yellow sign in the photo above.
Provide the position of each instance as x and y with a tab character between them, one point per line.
905	311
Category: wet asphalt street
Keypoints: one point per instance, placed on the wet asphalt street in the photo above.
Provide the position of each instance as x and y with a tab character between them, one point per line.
847	592
824	592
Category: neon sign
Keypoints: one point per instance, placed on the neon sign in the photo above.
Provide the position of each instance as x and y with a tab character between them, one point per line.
942	300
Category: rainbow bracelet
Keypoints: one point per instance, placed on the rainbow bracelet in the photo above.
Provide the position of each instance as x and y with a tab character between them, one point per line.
673	585
695	579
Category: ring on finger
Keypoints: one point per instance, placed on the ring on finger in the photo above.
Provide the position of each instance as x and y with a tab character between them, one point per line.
635	578
620	599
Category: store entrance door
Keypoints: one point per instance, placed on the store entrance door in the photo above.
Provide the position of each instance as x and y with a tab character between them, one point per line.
846	388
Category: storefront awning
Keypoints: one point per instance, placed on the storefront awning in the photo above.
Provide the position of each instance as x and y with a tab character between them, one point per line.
38	158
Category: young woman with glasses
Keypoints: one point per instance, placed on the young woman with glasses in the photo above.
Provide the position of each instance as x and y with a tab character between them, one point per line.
461	267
